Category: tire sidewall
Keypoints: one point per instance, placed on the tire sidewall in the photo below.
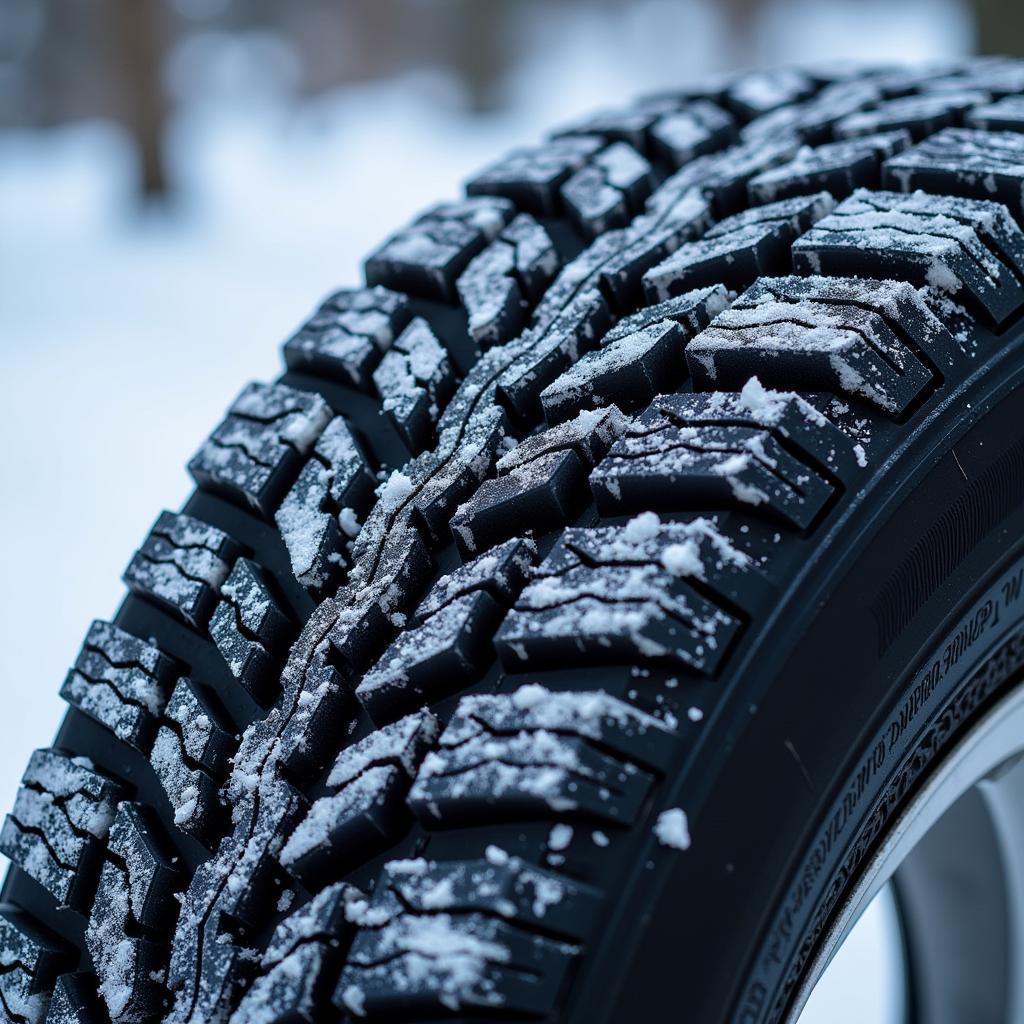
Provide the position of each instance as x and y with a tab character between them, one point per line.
818	749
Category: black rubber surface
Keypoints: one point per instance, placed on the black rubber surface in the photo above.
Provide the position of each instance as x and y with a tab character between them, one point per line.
593	519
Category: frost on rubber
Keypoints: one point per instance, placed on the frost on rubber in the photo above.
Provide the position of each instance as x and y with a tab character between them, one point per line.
418	657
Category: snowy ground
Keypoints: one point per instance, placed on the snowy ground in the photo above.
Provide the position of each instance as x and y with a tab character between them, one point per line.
123	338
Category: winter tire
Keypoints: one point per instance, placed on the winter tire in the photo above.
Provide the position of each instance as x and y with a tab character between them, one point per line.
584	624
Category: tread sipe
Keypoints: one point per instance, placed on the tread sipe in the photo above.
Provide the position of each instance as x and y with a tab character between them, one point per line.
388	718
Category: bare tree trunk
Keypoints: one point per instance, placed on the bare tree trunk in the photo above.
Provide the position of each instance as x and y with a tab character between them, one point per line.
741	18
480	53
138	34
1000	26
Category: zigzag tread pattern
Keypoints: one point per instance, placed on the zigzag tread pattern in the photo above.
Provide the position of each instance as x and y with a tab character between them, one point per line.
764	281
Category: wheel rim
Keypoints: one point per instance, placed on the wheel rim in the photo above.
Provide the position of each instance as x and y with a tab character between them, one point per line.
955	860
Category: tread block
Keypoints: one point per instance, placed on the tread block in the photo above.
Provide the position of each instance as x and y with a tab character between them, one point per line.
589	434
617	595
760	92
693	311
190	756
309	739
577	308
501	885
181	566
817	119
365	812
699	452
1005	115
901	306
61	816
426	257
608	190
207	738
499	286
683	135
631	367
192	792
964	162
415	379
501	572
470	449
780	123
428	662
674	215
444	964
255	453
566	323
968	248
449	935
811	121
723	176
629	124
919	115
508	757
836	167
873	340
134	897
738	249
137	842
249	629
532	177
409	566
212	955
304	947
75	1001
789	417
626	373
31	958
1000	76
345	337
547	492
121	682
334	490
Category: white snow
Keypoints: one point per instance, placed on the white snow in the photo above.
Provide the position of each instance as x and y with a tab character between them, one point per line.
560	837
354	1000
395	490
940	276
764	405
349	522
496	855
672	829
683	559
642	527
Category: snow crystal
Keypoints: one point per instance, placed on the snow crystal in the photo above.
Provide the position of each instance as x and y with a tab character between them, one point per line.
354	1000
496	855
397	488
560	837
672	829
642	528
764	405
349	522
940	276
683	559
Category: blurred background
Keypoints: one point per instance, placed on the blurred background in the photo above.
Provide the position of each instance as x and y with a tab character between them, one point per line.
180	180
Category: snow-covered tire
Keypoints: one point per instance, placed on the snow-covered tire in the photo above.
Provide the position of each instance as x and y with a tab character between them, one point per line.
562	632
